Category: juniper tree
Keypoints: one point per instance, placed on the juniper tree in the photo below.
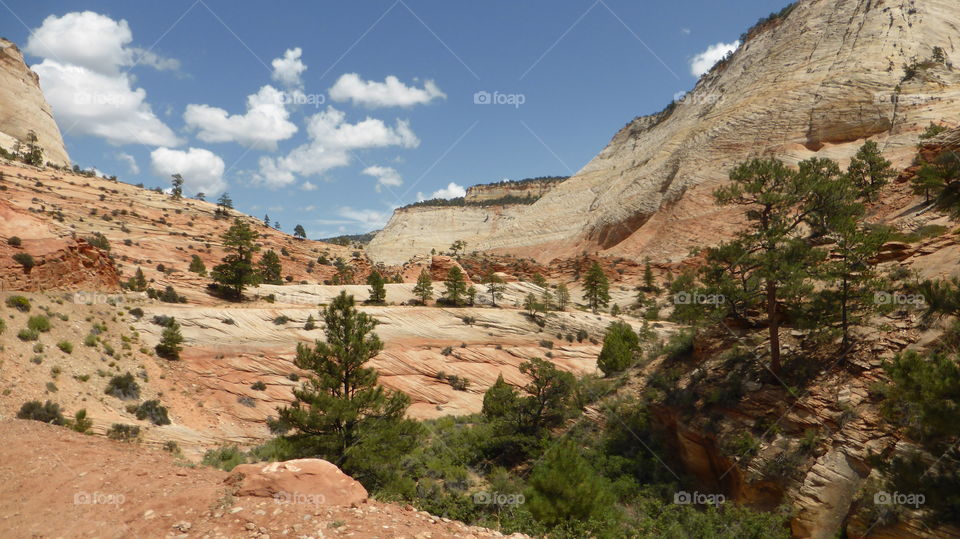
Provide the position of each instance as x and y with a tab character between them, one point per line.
170	341
299	232
620	346
236	271
197	266
495	287
176	189
596	288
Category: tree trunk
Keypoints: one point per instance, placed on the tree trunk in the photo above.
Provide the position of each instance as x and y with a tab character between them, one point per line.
843	314
774	324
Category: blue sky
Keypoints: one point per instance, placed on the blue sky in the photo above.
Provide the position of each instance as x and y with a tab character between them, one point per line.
330	114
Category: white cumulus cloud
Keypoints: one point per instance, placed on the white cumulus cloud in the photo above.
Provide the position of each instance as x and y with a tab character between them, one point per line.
702	62
452	190
202	170
389	93
331	139
369	219
265	123
386	176
81	75
287	70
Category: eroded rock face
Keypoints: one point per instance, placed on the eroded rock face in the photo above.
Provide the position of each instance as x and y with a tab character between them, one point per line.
23	107
817	84
312	479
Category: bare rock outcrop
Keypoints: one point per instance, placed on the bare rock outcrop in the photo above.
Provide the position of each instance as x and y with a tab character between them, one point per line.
817	83
289	481
23	107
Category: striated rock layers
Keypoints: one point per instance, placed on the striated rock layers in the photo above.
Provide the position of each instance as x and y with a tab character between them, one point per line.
23	107
817	83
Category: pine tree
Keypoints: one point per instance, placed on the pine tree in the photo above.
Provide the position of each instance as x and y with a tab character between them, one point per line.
424	287
539	280
138	282
266	220
869	171
197	266
456	286
311	323
269	268
620	346
500	401
237	272
564	488
547	299
596	288
225	202
378	291
340	413
299	232
457	247
770	257
176	190
471	295
563	297
531	304
648	283
170	341
495	287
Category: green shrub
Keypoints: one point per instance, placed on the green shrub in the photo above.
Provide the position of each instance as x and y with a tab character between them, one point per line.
14	241
258	386
154	411
24	259
48	412
90	340
123	387
19	303
225	458
39	323
99	240
281	320
28	335
65	347
620	347
81	423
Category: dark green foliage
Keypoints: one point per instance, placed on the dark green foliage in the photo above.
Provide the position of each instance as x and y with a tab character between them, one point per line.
456	287
564	488
39	323
495	287
81	423
154	411
311	324
197	266
269	268
176	189
341	413
27	334
620	347
19	303
236	272
596	288
923	393
123	387
99	241
299	232
225	458
14	241
939	181
378	290
258	386
24	259
138	282
169	295
170	341
869	171
48	412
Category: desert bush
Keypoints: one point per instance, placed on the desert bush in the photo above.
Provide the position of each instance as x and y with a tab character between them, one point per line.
24	259
26	334
258	386
19	303
65	347
124	433
48	412
14	241
154	411
225	458
39	323
123	387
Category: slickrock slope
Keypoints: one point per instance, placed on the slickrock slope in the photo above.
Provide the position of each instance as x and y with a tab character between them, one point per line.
818	83
23	107
57	483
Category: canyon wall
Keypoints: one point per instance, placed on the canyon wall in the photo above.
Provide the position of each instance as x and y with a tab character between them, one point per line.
818	83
